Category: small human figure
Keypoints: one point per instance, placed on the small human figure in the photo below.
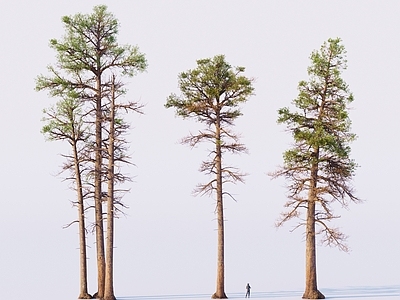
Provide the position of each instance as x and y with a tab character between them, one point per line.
248	287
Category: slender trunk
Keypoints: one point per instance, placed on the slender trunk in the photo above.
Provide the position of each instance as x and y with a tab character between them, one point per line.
98	195
220	288
311	291
109	284
82	229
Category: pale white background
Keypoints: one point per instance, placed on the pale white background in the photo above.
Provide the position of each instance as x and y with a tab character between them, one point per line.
166	244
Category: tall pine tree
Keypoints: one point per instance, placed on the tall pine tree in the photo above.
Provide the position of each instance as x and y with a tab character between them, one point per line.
318	168
211	94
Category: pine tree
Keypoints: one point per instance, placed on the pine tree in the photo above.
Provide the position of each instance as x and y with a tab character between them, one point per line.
64	122
318	168
211	94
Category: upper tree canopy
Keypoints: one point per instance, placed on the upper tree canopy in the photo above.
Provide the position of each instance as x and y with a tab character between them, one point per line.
323	121
321	130
213	88
87	50
212	93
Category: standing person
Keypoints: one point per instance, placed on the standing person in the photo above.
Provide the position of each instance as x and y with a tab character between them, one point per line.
248	287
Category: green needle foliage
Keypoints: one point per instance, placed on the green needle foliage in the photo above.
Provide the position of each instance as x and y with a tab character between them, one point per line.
88	49
64	121
211	94
318	167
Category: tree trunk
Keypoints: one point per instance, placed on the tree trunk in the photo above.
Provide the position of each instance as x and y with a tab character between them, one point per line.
311	291
98	196
109	283
220	289
82	230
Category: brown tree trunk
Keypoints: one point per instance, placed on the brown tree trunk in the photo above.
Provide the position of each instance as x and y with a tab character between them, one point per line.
98	196
311	291
82	230
220	289
109	282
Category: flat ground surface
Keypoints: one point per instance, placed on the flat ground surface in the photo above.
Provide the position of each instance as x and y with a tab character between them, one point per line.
370	293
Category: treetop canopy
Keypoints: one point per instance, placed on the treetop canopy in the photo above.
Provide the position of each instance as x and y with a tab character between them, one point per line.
211	87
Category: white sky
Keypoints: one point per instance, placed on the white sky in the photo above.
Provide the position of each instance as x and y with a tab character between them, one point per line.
167	242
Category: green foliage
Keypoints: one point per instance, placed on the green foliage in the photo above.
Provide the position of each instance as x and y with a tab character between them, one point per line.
212	93
322	121
318	166
88	49
63	121
214	87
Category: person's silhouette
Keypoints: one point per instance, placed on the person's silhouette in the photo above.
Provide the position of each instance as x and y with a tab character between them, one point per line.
248	287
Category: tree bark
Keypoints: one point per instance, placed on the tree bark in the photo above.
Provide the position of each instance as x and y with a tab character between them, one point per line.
82	229
98	194
311	291
220	288
109	282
